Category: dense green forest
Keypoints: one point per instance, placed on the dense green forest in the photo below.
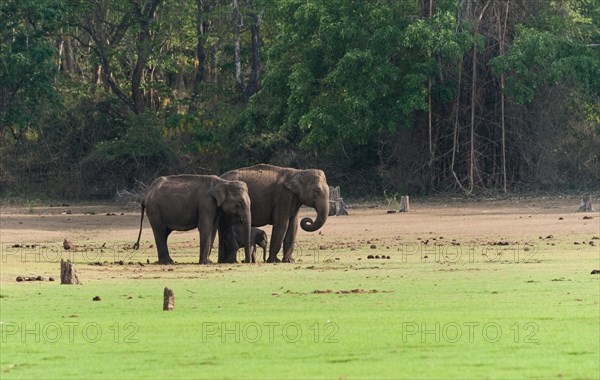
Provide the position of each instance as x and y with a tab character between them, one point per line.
384	95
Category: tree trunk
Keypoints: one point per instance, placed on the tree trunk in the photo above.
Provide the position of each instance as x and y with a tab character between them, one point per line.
253	81
95	30
430	106
429	123
69	64
68	276
586	204
473	103
97	78
501	37
145	17
238	22
456	123
404	204
337	206
472	130
61	51
169	299
202	27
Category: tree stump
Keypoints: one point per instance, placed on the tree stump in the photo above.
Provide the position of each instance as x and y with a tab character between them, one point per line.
68	275
336	202
169	301
586	204
404	204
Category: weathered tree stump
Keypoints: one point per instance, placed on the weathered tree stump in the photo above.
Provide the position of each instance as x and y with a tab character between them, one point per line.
339	207
169	302
404	204
68	275
336	202
586	204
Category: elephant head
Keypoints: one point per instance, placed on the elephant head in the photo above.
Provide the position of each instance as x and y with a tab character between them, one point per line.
312	189
232	197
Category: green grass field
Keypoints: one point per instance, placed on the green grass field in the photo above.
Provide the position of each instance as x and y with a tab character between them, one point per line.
469	318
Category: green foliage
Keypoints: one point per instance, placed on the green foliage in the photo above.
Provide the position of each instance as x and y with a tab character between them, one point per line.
553	50
141	143
351	71
26	62
438	37
135	147
392	201
379	93
331	72
199	133
541	58
139	154
30	204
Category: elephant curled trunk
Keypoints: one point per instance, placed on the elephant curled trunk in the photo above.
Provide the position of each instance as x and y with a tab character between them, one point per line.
322	208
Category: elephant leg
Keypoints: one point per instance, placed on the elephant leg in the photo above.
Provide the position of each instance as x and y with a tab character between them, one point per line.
214	232
289	241
206	234
223	241
231	247
221	248
253	254
276	240
161	234
233	250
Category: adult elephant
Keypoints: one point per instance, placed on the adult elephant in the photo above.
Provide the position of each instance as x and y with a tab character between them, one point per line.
277	194
185	202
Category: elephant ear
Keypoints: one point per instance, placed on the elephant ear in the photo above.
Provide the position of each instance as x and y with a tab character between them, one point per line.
219	192
294	183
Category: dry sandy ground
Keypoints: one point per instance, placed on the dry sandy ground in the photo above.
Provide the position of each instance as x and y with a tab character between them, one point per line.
450	219
31	240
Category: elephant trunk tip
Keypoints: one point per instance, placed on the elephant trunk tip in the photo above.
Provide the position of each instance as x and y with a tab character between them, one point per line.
309	225
322	209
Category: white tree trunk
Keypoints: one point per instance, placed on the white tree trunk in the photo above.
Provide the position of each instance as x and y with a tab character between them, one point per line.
238	21
586	204
337	206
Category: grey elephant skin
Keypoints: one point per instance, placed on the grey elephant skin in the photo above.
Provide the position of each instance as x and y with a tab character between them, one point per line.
185	202
233	240
277	194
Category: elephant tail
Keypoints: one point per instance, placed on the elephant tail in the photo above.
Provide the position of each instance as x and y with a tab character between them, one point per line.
137	243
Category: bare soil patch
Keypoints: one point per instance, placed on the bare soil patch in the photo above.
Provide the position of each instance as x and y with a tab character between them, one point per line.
429	223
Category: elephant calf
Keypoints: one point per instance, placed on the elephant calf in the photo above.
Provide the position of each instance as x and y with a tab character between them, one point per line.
185	202
233	240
